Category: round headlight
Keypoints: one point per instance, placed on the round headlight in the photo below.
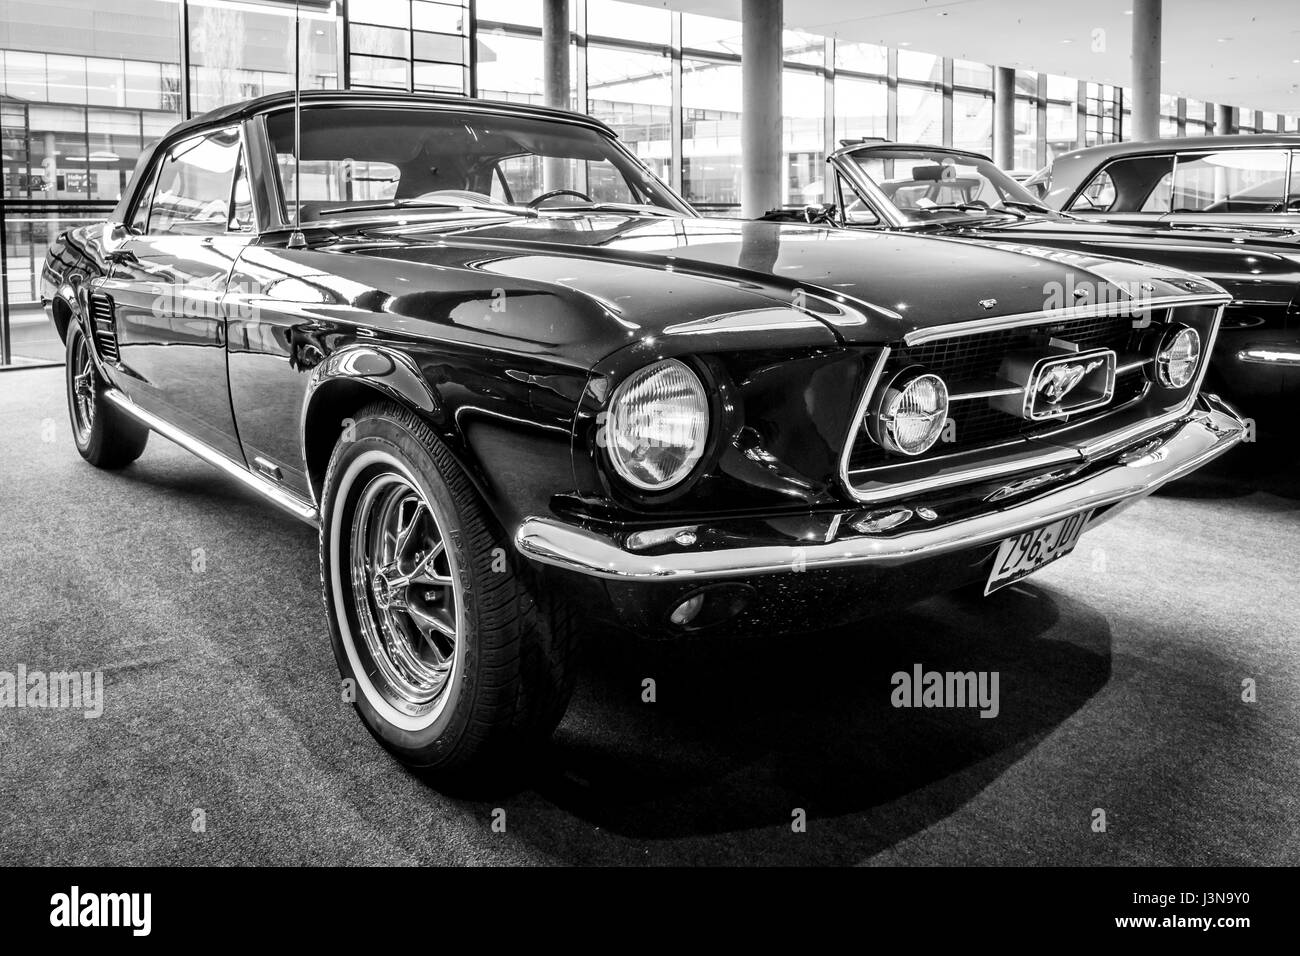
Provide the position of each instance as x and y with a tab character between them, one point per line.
1180	352
657	425
910	413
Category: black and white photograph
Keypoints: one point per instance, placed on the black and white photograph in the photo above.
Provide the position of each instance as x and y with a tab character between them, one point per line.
657	434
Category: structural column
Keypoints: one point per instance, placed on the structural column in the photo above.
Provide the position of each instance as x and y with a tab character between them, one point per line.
1225	120
760	118
555	52
555	80
1146	69
1004	116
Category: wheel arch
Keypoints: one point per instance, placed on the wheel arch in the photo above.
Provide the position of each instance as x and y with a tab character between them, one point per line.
354	377
61	312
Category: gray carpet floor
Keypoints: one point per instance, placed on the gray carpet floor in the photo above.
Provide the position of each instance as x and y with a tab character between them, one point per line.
1121	672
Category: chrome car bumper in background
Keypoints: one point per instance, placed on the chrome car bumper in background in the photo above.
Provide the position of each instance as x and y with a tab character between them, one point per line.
1124	476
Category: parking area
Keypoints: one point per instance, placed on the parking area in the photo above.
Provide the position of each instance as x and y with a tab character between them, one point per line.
224	738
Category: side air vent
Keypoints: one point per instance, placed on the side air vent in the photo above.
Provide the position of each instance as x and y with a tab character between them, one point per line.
103	320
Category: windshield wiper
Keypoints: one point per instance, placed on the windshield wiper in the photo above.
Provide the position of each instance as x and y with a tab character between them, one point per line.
1030	206
973	207
417	204
641	208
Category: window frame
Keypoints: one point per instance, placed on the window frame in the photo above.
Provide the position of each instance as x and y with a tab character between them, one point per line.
144	194
1179	156
1292	196
1068	206
276	187
1194	154
165	152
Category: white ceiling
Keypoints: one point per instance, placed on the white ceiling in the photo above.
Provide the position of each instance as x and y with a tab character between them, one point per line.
1242	53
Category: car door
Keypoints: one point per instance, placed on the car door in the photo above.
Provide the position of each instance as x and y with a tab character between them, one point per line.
1242	185
167	281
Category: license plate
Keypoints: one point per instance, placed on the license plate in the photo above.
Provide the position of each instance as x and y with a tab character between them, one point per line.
1023	554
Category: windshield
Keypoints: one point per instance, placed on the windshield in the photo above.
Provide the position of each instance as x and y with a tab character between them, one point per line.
358	159
928	185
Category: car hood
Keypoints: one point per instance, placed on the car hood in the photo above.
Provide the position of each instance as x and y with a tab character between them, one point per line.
1058	223
1256	265
868	287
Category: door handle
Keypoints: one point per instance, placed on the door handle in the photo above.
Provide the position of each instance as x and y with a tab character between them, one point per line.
121	257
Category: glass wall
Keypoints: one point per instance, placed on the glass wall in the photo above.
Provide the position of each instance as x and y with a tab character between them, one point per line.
632	92
1061	117
239	50
972	106
803	151
408	45
711	134
86	84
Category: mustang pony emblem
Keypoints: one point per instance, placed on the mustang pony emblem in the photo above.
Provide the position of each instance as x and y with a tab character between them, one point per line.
1059	380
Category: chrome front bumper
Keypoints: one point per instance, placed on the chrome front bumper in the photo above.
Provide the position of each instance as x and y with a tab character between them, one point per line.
1128	475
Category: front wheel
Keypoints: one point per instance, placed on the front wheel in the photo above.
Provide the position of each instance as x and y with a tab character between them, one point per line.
456	653
104	436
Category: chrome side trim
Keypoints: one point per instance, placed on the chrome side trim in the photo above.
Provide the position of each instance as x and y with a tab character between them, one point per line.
1132	366
1266	356
300	509
990	393
1048	316
902	489
1204	435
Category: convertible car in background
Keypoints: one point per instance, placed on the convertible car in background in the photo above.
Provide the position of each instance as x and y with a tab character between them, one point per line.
940	191
512	376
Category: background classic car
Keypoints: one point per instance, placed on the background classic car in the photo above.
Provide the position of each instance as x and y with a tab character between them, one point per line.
511	375
939	190
1199	180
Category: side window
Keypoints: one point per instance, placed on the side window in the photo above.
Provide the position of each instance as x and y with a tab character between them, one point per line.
856	210
1098	195
1133	184
194	183
140	217
1231	181
1161	196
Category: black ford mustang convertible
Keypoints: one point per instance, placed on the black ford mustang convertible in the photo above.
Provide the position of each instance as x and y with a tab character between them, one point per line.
512	377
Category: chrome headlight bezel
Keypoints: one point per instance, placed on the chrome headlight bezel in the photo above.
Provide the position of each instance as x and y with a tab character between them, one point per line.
1164	362
629	437
883	422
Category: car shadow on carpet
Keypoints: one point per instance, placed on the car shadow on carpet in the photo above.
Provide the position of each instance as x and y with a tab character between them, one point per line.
743	735
1270	464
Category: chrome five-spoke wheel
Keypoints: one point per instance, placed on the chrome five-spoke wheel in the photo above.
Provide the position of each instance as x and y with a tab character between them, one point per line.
454	654
406	592
83	390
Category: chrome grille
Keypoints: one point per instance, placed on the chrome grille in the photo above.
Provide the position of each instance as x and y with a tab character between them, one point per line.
970	363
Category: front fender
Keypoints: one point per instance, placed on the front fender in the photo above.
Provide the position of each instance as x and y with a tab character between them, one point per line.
514	456
345	375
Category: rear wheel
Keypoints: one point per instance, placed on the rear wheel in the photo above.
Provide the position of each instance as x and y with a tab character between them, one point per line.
103	434
457	654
